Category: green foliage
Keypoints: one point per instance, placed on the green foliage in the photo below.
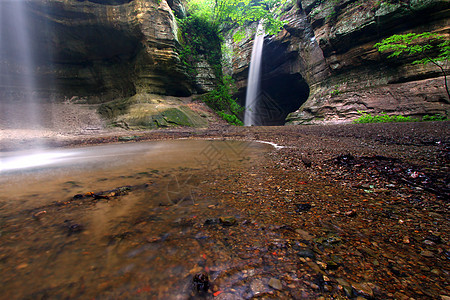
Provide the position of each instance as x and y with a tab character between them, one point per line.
336	91
385	118
200	38
430	47
232	119
416	44
434	118
230	13
223	103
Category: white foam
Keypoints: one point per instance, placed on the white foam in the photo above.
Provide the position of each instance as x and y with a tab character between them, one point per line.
276	146
31	160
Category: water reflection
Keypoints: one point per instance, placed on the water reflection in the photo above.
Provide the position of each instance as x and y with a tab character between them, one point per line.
113	221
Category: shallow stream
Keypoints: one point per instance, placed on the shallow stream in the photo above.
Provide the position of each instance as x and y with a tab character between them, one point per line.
109	221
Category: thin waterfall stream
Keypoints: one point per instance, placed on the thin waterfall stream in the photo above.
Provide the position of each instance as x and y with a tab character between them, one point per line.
254	79
17	66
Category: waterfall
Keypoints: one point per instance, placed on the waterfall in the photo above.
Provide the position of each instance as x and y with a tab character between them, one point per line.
17	67
254	79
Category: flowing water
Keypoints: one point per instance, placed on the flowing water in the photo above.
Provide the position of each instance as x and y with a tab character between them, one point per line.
17	66
254	79
110	221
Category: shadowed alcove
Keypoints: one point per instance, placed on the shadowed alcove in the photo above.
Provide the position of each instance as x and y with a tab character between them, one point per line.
282	90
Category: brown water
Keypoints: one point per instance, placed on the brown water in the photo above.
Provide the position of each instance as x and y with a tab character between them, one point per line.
112	221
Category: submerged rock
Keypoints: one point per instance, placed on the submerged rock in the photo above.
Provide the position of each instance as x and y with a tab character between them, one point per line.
302	207
73	227
306	253
363	289
201	282
275	283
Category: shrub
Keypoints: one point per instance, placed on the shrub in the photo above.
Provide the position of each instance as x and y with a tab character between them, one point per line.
223	103
385	118
434	118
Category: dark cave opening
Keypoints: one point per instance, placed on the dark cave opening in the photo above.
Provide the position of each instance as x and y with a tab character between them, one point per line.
282	90
278	97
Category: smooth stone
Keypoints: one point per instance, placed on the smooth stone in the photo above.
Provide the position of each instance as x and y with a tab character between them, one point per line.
304	234
427	253
363	288
227	221
258	287
306	253
275	283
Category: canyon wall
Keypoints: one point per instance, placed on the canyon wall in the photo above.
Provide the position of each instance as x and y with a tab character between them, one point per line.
106	49
353	76
321	67
325	67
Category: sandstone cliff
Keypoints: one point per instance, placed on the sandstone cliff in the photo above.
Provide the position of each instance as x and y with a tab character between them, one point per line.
324	61
321	67
357	77
108	48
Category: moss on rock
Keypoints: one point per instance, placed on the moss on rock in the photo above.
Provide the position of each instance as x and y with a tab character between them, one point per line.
146	111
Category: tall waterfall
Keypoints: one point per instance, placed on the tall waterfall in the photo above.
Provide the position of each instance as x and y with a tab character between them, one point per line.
254	79
17	67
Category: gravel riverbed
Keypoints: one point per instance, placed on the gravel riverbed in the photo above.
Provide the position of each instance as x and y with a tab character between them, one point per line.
334	212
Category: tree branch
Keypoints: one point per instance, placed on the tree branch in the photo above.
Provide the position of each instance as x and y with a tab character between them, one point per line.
443	72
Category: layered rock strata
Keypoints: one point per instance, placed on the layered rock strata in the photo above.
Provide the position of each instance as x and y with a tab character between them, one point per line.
108	49
357	77
323	66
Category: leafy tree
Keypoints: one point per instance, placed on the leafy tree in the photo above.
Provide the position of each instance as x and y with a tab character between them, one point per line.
229	13
430	47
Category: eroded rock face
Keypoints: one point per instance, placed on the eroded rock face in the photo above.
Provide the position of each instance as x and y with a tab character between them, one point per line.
108	49
355	77
324	60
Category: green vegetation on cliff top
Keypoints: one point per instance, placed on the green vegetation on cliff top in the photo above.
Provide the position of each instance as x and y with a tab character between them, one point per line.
238	13
202	38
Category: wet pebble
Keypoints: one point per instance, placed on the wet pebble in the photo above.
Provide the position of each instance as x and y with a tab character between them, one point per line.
363	289
212	221
258	287
39	215
275	283
78	197
306	253
427	253
351	213
434	238
227	221
304	234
